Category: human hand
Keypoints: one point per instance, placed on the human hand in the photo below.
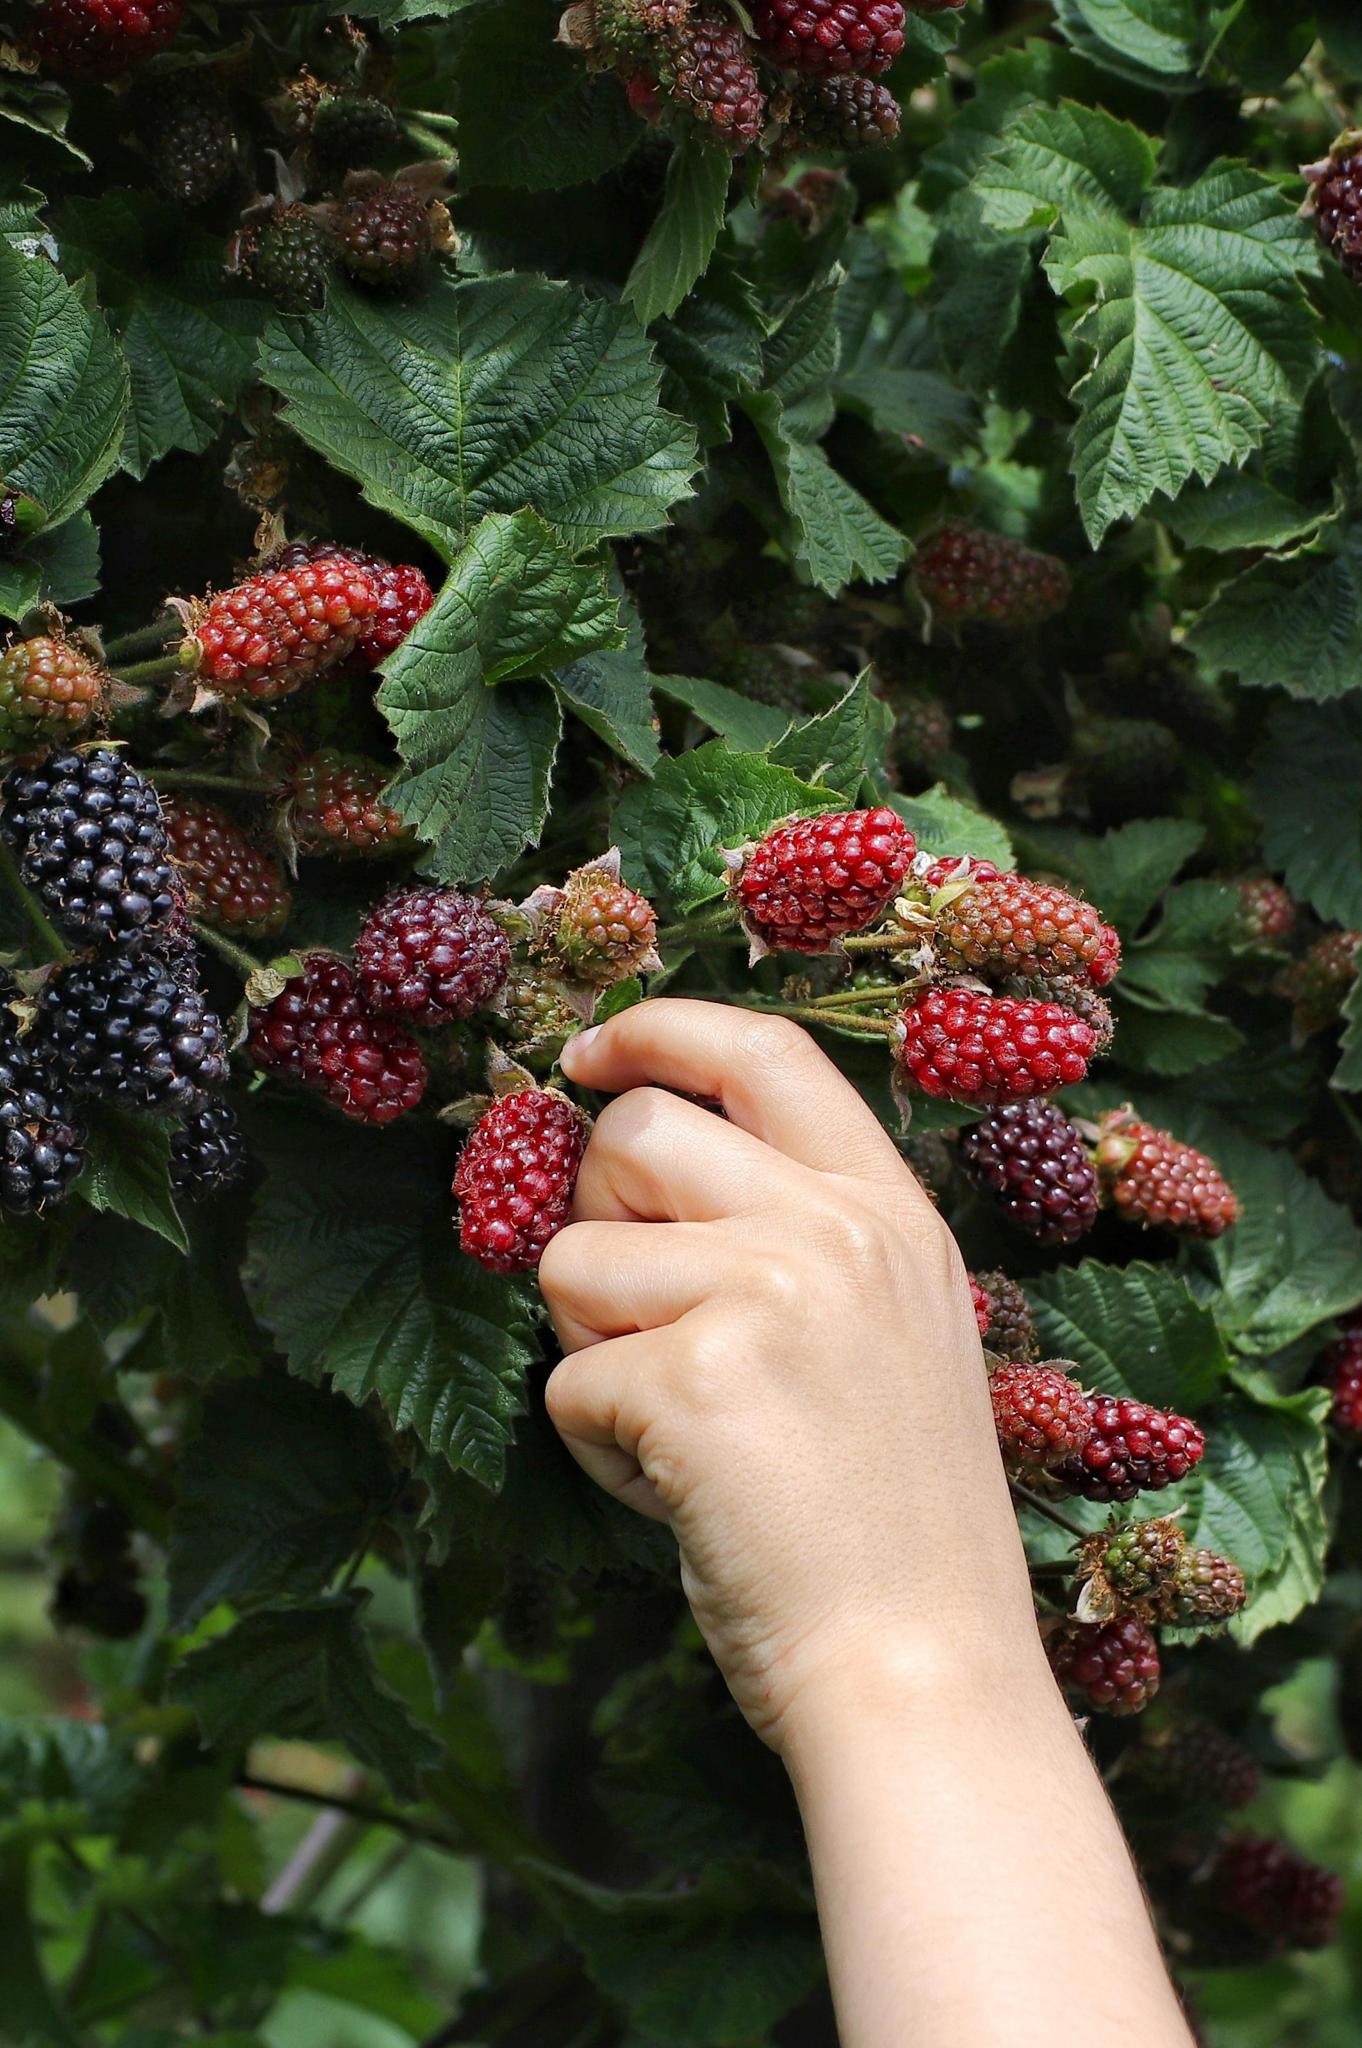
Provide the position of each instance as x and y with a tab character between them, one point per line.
771	1344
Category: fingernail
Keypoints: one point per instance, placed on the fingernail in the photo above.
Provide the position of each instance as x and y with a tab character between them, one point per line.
579	1044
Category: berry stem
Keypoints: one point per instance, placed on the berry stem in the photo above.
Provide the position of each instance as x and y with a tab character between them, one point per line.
848	998
804	1013
202	778
245	963
124	644
48	941
883	942
1043	1507
159	669
691	929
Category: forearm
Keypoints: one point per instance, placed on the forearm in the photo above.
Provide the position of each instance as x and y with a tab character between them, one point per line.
969	1867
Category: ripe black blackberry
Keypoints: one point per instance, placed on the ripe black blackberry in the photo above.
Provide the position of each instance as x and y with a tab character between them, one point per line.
1032	1158
190	140
42	1137
92	846
207	1153
352	131
130	1029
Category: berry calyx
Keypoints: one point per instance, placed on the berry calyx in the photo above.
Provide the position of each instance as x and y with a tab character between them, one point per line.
133	1030
101	38
601	929
320	1031
1289	1901
429	956
1034	1161
231	883
1011	1328
1131	1449
971	1047
815	880
92	845
49	691
207	1153
515	1178
1342	1371
1156	1180
1000	925
385	233
968	575
1113	1664
825	37
268	636
334	804
1040	1413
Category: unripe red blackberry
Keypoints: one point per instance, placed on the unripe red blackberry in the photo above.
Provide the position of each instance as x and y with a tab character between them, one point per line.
1035	1162
1040	1413
385	233
1267	911
292	257
1336	199
1264	1884
132	1030
49	692
1342	1370
1318	984
814	880
602	930
1154	1179
825	37
207	1153
1131	1449
430	956
269	635
231	883
515	1178
404	596
967	575
1011	1329
1205	1587
842	113
1113	1664
335	806
320	1032
42	1134
705	71
1193	1763
92	846
91	39
351	132
191	141
1142	1558
1009	925
971	1047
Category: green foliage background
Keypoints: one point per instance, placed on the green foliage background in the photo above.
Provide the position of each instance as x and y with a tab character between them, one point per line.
1074	303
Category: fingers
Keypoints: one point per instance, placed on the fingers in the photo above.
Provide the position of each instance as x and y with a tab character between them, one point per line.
596	1402
769	1075
604	1280
654	1158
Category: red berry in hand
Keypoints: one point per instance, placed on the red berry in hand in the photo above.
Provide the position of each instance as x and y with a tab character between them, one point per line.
267	636
1032	1158
1156	1180
231	884
825	37
1266	1885
814	880
1342	1364
1040	1413
973	1047
49	691
335	805
1131	1449
320	1031
1114	1664
101	38
431	955
1007	925
515	1178
1011	1329
965	574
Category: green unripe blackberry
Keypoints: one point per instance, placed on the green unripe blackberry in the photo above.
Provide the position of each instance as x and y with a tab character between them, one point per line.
352	132
293	259
1143	1557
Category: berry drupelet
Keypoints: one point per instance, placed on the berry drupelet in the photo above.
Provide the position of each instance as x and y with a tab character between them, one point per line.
1032	1158
515	1178
320	1031
92	845
1154	1179
42	1136
825	37
1336	200
972	1047
1131	1449
429	956
1114	1665
132	1030
1204	1587
231	883
1041	1415
49	692
812	881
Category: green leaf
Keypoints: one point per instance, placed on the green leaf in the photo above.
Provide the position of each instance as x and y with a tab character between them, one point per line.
612	693
670	831
886	366
751	727
304	1671
188	332
1126	871
32	2014
1313	842
1188	323
1168	1043
43	108
682	238
1294	625
487	395
944	824
477	760
711	351
1174	965
59	567
1135	1330
63	388
531	113
1156	42
361	1280
1347	1074
129	1172
841	748
274	1494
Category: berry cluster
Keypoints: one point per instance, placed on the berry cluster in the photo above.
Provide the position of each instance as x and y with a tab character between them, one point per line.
321	1031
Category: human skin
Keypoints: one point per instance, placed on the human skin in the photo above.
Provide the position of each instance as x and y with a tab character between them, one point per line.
769	1343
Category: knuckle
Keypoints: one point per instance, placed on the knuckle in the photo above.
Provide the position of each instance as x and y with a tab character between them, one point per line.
776	1280
778	1044
623	1122
558	1262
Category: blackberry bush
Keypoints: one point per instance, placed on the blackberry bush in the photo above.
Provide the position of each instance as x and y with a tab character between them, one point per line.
849	509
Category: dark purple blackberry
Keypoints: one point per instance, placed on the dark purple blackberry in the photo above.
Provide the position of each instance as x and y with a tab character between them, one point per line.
130	1029
427	956
207	1153
92	846
42	1137
1031	1157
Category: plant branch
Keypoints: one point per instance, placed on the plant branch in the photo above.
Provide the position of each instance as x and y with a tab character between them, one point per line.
1043	1507
804	1013
124	644
244	962
205	778
363	1810
159	669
